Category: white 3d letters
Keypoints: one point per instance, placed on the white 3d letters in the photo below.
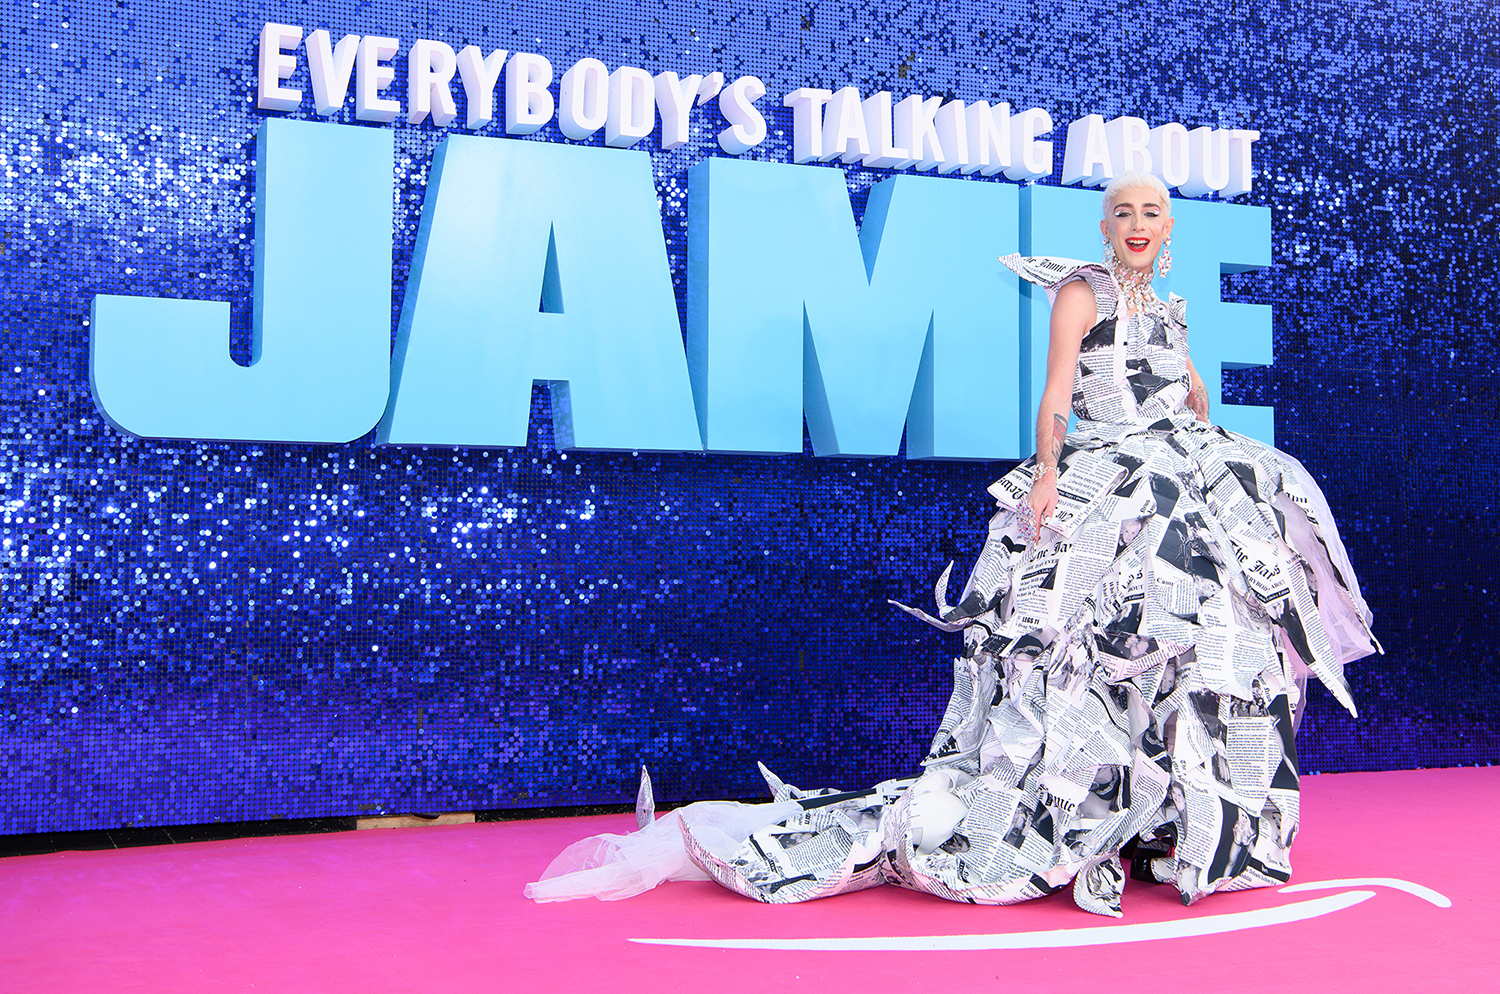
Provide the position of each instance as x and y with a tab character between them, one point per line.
989	137
710	87
807	122
844	133
953	134
429	83
330	66
1208	162
528	101
1086	157
1129	145
884	152
1168	146
583	99
674	101
632	107
882	131
1029	158
372	75
480	73
747	128
916	131
275	66
1239	162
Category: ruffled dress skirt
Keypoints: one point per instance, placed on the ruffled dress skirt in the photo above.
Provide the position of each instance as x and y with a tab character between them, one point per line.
1127	696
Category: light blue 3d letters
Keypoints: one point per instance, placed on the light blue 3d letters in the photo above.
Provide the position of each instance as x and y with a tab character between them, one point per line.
911	322
545	263
538	262
161	368
1211	239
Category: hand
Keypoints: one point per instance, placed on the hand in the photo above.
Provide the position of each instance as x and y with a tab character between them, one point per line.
1043	500
1197	401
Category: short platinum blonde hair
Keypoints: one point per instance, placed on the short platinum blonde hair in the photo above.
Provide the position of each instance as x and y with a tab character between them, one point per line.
1131	181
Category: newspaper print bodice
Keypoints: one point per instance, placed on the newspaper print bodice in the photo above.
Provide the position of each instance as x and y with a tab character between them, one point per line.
1132	365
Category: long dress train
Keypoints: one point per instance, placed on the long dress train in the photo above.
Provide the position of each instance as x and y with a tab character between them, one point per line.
1132	679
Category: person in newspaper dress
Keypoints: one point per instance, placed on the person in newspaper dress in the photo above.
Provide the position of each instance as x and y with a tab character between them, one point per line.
1138	631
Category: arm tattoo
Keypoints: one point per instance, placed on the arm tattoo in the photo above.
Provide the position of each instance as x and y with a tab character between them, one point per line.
1059	432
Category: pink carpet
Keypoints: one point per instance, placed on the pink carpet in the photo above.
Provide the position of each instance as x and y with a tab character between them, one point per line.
441	909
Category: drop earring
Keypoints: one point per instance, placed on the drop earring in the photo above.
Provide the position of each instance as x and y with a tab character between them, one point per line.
1109	254
1164	258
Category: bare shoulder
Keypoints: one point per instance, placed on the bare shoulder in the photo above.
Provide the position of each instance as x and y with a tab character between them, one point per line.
1075	293
1073	309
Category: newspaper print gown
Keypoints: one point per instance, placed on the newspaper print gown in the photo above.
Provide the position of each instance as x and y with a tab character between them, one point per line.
1131	679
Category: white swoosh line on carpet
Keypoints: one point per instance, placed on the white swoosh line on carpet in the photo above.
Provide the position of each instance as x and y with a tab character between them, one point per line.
1053	939
1416	890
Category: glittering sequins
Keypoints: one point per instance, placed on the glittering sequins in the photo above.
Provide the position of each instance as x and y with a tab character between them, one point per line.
232	631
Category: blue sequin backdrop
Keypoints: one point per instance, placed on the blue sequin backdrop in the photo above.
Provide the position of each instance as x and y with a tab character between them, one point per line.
216	631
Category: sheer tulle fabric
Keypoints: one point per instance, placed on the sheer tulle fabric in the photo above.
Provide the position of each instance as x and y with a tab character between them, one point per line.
613	867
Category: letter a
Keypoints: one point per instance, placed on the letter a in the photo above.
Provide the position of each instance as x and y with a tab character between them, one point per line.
540	263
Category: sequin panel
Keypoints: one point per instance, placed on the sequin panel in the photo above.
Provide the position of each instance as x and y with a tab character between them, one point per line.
218	631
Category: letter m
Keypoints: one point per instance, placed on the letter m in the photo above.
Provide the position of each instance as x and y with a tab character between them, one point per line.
909	322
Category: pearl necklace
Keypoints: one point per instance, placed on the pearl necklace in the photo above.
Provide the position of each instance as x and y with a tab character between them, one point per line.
1135	284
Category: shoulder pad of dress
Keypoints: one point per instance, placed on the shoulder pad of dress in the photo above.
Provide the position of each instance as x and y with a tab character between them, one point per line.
1045	270
1053	273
